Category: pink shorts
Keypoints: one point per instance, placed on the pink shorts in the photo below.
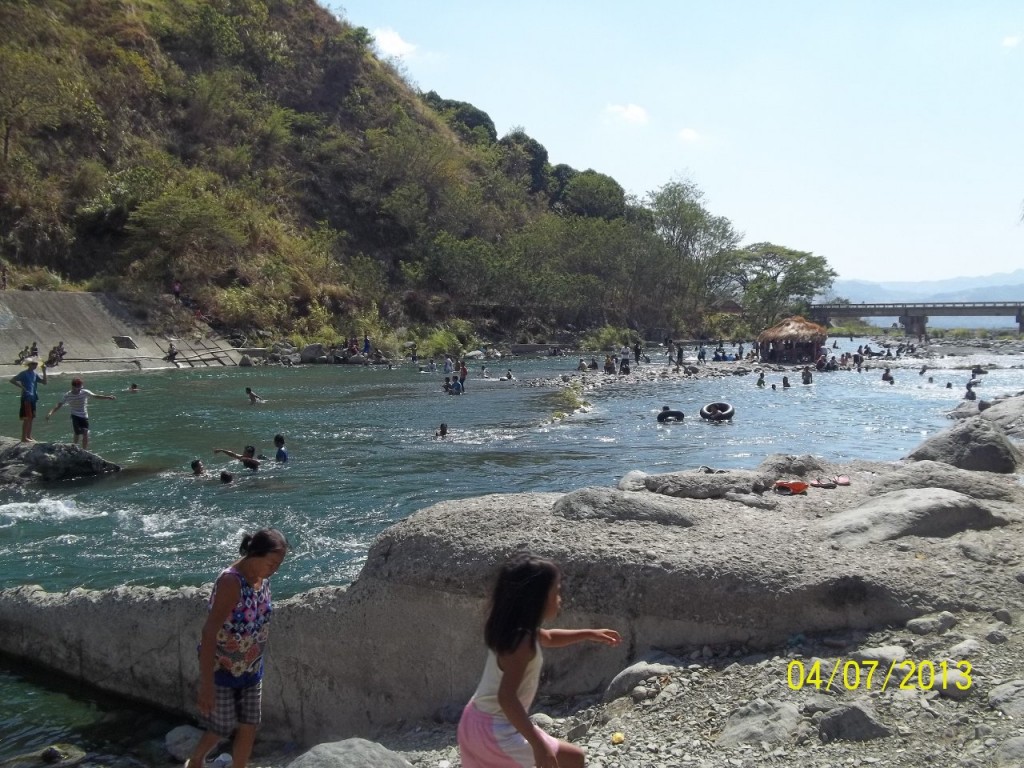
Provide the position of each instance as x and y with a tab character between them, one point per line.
491	741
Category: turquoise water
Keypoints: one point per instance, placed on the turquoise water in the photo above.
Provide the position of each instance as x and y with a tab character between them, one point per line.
363	455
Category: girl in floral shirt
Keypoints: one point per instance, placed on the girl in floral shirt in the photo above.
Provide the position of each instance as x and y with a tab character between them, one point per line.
231	650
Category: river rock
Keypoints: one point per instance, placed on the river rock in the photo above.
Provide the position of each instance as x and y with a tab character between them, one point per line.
1008	698
975	444
932	512
699	485
29	462
613	504
628	678
1008	415
851	723
350	753
760	721
312	352
936	474
1010	753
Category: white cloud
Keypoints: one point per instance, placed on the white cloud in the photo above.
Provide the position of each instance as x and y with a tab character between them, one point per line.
391	43
630	113
1011	41
689	135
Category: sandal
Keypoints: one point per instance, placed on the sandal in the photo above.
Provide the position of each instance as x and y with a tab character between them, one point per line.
841	480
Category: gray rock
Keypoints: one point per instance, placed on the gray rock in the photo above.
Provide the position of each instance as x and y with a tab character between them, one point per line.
1008	698
699	485
1003	615
996	637
1008	415
633	481
245	362
1010	753
627	679
935	474
926	625
311	352
612	504
181	741
850	723
30	462
350	753
926	512
760	721
975	444
884	655
953	684
964	649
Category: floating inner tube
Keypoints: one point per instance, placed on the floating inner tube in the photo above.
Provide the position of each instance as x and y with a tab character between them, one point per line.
717	412
670	416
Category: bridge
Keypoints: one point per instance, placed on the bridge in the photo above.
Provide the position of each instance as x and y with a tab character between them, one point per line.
914	315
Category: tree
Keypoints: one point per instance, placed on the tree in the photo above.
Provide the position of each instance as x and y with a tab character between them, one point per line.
700	250
525	159
775	279
33	94
594	195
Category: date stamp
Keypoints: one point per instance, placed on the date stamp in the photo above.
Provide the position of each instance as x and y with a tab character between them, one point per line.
871	675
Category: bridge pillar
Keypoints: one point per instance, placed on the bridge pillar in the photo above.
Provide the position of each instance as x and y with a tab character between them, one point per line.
1020	323
914	325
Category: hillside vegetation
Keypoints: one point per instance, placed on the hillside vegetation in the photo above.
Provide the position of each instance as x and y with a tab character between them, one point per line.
259	152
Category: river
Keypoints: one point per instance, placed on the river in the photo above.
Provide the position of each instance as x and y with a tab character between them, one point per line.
362	456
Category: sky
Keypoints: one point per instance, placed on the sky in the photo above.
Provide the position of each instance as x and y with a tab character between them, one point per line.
887	137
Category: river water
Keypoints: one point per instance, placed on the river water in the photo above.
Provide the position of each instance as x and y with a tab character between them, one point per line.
363	455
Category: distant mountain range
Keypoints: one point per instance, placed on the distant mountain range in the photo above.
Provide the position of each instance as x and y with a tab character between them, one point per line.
1003	286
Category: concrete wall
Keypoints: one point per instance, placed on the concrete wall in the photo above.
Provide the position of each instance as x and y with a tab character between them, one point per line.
88	324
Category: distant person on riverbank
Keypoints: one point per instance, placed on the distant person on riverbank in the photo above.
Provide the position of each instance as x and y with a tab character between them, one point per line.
582	366
28	382
281	456
176	290
495	728
231	647
247	456
77	400
172	352
253	397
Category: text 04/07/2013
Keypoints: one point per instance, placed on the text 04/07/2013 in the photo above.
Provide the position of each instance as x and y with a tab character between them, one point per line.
870	675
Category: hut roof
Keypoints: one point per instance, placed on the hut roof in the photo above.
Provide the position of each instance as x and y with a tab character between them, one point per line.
793	329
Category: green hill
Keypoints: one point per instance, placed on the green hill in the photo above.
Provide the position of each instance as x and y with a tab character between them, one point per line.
260	153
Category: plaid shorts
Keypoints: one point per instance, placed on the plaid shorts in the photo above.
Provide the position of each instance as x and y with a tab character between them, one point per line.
233	707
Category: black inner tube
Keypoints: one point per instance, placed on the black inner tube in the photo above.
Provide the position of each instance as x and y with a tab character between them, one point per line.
671	416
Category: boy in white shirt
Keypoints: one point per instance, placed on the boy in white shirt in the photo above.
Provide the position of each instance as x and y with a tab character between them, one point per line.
77	399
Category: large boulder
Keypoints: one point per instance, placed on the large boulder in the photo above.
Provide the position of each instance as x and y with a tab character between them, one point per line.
975	444
30	462
311	353
702	485
1008	415
929	512
350	753
935	474
613	504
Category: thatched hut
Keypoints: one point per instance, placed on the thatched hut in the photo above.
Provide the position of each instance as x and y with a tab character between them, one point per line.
794	340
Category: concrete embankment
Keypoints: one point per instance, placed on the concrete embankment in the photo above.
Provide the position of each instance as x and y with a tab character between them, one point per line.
98	334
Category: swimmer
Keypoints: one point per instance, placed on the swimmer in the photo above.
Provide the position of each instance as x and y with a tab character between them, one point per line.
442	431
226	477
785	382
133	388
253	397
773	388
247	456
282	453
760	380
197	467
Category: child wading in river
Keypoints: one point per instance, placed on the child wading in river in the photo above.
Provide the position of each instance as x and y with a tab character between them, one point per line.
495	730
231	651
